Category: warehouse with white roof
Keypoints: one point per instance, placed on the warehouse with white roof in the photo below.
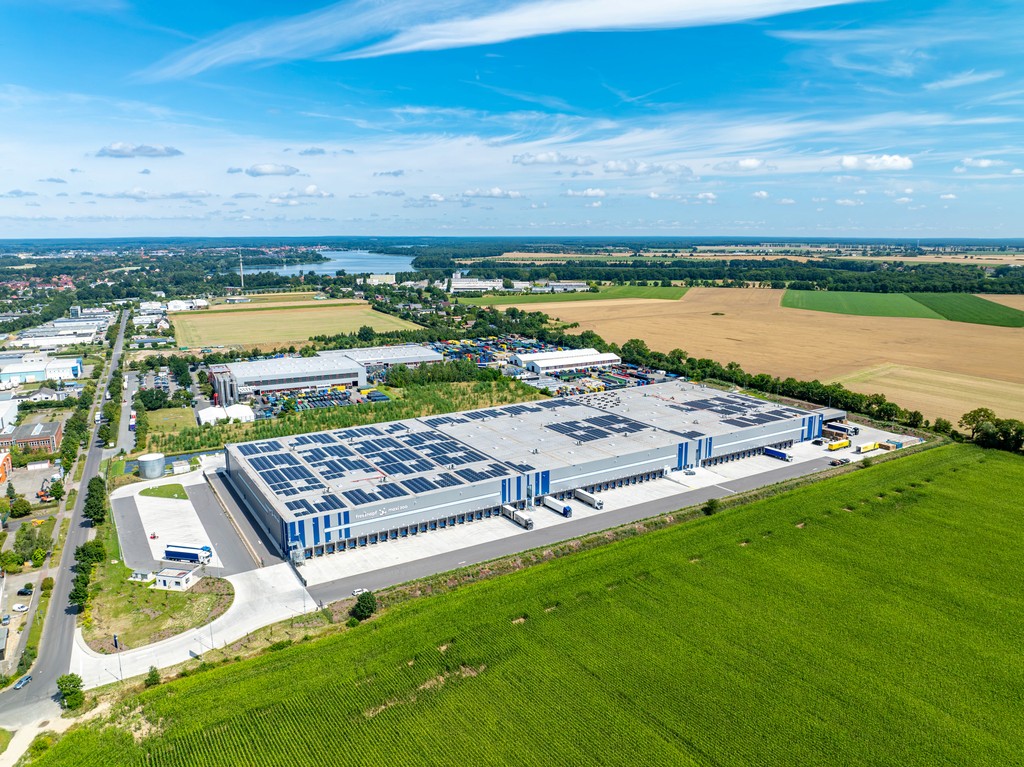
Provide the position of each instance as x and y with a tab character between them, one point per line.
546	363
331	491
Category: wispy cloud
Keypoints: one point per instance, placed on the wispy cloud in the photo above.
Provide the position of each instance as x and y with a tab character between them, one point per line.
495	192
120	149
551	158
268	169
876	162
367	28
970	77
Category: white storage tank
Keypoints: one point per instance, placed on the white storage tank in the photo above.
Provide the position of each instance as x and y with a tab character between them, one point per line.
151	465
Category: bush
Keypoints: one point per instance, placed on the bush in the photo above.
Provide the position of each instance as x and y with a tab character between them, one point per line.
352	622
20	508
279	645
365	606
47	584
711	506
70	688
152	678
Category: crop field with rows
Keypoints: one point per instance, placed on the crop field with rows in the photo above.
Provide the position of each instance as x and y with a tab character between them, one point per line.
874	618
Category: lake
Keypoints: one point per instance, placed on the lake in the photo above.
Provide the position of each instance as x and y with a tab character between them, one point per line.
352	261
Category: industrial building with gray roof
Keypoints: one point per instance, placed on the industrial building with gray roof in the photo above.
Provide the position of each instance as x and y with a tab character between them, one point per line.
329	491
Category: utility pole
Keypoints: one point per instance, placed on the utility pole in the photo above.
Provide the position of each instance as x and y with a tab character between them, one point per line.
241	271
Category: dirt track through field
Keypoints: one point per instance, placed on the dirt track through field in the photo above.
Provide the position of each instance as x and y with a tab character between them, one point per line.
751	328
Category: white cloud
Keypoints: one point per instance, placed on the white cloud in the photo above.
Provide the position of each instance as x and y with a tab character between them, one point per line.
861	192
365	28
848	203
949	196
141	195
903	200
18	193
551	158
358	195
235	170
389	193
270	169
760	195
595	204
787	201
747	164
145	172
1017	172
495	192
121	149
310	151
708	197
588	192
876	162
641	168
52	180
970	77
310	191
393	173
244	195
981	163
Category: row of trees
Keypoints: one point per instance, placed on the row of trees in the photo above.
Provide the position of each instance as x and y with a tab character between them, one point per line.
989	430
87	556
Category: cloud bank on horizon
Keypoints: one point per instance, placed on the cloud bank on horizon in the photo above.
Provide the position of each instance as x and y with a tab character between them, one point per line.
660	117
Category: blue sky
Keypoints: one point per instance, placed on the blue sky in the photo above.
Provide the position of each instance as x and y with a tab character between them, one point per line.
508	117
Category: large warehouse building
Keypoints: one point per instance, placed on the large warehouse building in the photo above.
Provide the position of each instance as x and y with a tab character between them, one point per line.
546	363
330	491
344	367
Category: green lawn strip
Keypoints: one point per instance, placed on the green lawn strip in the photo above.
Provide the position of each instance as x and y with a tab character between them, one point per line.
964	307
242	308
177	492
850	621
5	740
861	304
606	292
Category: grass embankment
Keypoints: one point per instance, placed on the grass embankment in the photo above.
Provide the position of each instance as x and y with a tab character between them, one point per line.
5	740
850	621
606	292
413	401
274	326
138	614
956	307
175	491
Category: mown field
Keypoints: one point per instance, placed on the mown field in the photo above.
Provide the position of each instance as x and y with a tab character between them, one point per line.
606	292
272	325
870	619
956	307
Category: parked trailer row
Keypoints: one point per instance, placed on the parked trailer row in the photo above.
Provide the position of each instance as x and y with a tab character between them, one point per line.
589	498
557	506
515	515
839	445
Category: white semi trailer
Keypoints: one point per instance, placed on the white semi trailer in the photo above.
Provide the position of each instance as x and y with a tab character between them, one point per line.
589	498
557	506
512	513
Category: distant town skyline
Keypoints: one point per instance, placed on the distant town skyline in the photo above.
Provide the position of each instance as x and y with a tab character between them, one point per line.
774	118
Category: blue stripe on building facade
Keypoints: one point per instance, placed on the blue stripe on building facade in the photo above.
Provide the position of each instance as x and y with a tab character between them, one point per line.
546	480
316	531
519	488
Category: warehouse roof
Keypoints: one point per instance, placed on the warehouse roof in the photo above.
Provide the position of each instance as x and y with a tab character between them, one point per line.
580	357
348	468
387	355
287	366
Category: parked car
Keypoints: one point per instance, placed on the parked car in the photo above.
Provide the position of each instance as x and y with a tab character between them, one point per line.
25	592
5	621
357	592
23	681
690	472
20	608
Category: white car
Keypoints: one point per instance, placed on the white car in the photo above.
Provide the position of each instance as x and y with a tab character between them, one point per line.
20	608
355	593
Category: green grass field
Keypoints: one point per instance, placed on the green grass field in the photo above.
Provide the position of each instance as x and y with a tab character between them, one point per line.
175	491
170	420
963	307
862	304
870	619
606	292
957	307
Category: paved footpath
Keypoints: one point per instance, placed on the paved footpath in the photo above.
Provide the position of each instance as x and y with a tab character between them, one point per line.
263	596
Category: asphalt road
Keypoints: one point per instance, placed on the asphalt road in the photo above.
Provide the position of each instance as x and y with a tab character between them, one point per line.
39	698
225	540
265	549
472	555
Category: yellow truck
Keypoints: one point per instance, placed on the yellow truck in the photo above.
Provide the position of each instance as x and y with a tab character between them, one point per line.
839	445
867	447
